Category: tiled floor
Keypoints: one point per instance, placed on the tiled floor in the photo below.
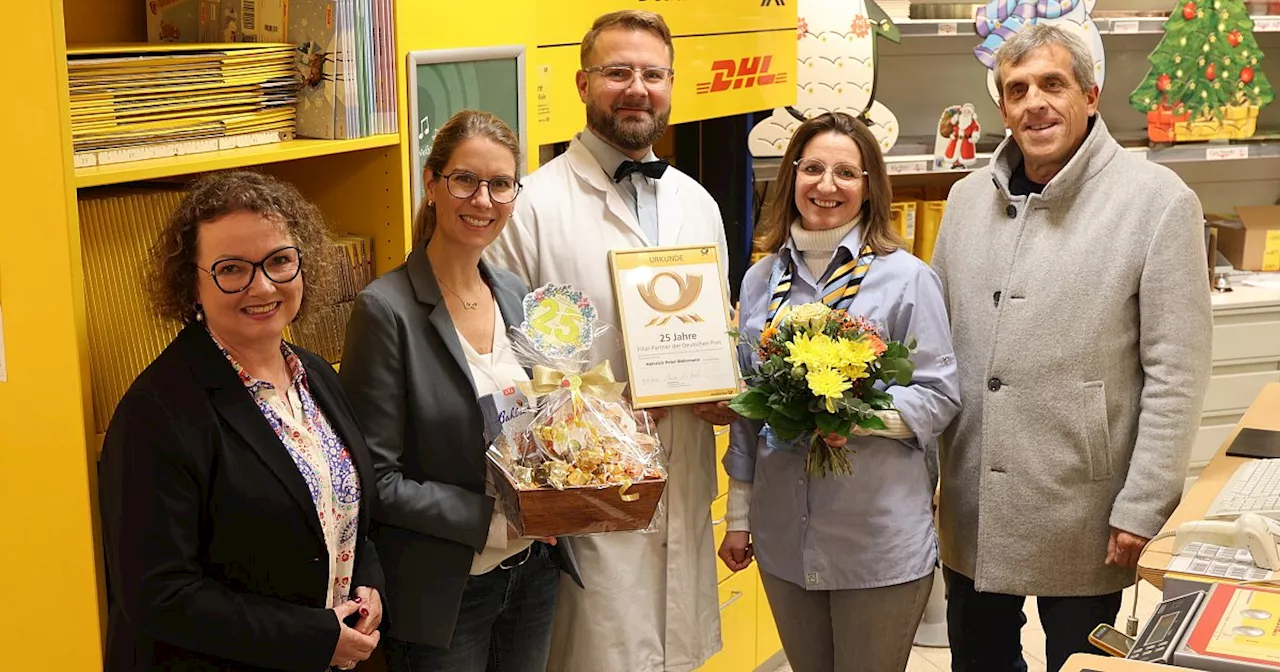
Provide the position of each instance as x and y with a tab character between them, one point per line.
939	660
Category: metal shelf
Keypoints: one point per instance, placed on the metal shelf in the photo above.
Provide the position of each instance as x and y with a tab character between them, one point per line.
1137	25
766	169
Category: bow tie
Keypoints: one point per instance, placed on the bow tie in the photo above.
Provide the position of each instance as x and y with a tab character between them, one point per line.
653	169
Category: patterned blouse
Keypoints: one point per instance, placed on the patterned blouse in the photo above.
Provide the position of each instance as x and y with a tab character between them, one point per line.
322	459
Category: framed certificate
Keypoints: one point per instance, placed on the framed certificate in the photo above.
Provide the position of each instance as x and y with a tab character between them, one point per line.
674	311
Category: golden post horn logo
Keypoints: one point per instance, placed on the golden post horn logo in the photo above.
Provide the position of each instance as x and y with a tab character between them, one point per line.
688	289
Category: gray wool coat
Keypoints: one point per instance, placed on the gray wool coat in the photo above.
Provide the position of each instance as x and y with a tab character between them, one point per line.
1082	328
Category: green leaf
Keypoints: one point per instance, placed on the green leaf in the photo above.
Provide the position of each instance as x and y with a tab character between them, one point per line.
871	422
796	409
786	428
831	424
878	400
905	370
751	404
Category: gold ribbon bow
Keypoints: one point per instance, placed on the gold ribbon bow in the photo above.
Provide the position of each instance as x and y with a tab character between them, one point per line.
597	382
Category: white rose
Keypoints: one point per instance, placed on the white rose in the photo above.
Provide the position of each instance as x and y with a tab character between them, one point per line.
814	314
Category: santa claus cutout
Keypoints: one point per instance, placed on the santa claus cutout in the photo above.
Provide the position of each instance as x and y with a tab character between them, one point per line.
956	145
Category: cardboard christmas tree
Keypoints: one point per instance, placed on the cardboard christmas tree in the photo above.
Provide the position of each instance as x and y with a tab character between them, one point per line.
1206	80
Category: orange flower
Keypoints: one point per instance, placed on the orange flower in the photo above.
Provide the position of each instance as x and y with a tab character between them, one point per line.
769	334
876	344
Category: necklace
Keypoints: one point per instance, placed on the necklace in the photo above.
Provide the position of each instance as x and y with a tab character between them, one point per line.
468	305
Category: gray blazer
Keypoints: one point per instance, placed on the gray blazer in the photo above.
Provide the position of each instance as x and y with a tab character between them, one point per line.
1082	327
405	373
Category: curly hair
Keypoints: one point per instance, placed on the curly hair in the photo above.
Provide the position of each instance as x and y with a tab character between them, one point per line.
171	281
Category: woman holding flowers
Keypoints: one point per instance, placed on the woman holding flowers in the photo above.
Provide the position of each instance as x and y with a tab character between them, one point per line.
847	344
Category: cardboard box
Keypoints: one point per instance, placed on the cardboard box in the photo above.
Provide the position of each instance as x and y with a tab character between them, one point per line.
173	20
216	21
1255	244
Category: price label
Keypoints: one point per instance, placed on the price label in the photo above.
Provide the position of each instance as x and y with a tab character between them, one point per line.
946	28
1122	27
1266	25
1226	153
908	167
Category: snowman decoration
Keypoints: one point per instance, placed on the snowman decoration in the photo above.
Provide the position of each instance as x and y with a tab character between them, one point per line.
1001	19
835	72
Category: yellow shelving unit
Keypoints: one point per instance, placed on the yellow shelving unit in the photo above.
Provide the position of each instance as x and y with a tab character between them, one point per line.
51	553
302	148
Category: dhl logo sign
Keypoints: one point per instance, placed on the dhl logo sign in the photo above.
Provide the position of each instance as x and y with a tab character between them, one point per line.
742	74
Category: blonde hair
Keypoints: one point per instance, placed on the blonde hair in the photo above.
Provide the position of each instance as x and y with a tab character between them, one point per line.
461	127
878	232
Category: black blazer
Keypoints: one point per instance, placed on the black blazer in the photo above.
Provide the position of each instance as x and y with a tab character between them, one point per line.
407	376
214	552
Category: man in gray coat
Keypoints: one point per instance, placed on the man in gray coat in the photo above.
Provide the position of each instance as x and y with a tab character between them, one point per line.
1075	278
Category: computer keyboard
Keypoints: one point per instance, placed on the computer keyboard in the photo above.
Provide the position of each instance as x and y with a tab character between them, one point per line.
1254	488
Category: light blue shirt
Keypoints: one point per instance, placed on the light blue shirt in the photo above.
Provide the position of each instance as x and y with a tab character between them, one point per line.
639	192
875	527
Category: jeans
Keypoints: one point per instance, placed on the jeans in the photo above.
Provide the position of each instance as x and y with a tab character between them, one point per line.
504	622
985	628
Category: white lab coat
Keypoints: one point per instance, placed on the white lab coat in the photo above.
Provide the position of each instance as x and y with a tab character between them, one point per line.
650	603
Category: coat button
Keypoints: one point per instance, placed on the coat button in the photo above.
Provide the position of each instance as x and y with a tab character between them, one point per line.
1011	210
994	384
996	298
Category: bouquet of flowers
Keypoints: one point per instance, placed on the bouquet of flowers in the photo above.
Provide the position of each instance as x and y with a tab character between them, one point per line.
817	375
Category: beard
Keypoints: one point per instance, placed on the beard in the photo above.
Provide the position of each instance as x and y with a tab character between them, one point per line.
631	134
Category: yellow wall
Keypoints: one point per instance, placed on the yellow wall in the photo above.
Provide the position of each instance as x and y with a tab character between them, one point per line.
51	555
49	558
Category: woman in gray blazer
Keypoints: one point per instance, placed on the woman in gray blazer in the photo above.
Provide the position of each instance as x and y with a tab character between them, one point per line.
424	342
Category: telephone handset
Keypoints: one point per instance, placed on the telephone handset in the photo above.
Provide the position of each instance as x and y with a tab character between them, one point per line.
1255	533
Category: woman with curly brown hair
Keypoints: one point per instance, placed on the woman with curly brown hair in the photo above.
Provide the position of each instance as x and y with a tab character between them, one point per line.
235	484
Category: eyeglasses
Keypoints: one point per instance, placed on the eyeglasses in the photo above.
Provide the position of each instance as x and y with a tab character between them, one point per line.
465	185
844	174
233	276
621	76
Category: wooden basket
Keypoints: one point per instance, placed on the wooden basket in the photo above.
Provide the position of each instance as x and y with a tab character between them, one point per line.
575	510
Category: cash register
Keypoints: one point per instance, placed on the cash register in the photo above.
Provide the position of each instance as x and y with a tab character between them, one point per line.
1229	628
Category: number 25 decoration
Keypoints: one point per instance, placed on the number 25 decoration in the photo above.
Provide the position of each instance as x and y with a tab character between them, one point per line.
558	320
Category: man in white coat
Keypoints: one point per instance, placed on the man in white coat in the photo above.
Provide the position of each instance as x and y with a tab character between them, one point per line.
650	602
1074	273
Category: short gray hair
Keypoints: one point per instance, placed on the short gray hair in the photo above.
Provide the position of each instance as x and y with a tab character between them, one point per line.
1040	35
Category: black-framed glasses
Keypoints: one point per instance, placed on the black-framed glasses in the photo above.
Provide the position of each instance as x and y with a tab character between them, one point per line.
233	276
844	174
621	76
464	185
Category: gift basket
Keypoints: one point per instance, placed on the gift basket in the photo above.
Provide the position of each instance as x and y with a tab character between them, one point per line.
567	456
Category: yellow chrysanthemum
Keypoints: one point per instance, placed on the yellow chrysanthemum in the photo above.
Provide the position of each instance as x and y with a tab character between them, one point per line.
813	352
854	371
828	384
854	353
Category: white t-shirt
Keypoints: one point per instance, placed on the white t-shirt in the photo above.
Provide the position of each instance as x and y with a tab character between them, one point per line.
492	373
